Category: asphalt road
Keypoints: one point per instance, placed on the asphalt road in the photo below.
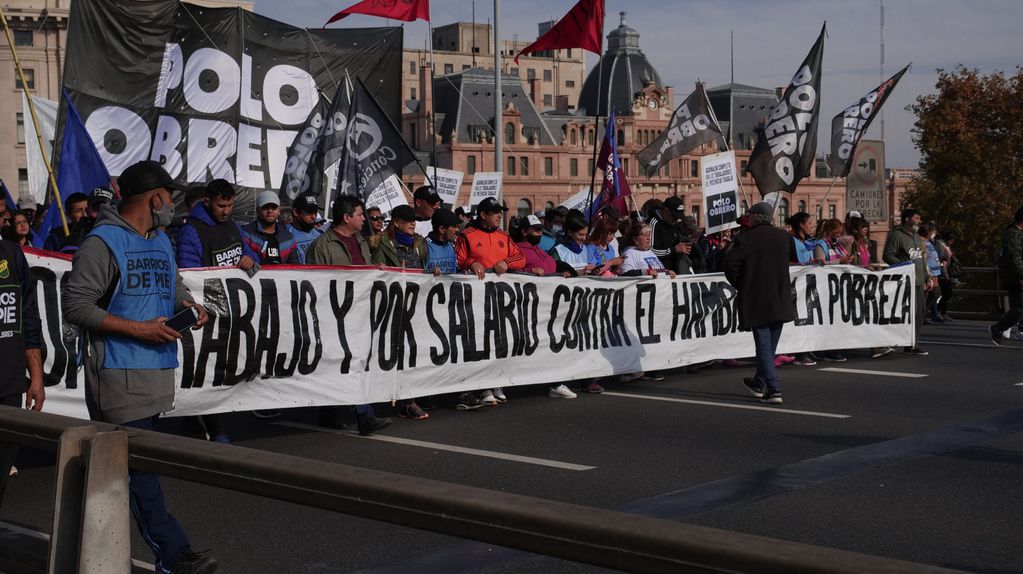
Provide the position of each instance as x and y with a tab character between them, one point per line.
921	460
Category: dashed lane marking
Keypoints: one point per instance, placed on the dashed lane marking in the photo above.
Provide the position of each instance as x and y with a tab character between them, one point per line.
728	405
875	373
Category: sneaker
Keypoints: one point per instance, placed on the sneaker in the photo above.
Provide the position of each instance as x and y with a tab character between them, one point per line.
878	352
778	362
266	414
195	563
833	357
754	388
222	438
468	402
14	471
499	395
561	392
771	398
414	412
487	397
370	425
785	359
916	351
655	376
807	362
594	388
630	377
996	336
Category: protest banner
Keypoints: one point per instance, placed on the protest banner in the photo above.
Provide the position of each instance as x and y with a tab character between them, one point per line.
212	92
484	184
864	187
299	337
720	191
448	183
387	196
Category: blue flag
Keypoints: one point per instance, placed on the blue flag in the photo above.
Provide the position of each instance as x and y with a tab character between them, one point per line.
81	168
11	206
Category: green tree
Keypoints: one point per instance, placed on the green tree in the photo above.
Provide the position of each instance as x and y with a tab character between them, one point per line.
970	136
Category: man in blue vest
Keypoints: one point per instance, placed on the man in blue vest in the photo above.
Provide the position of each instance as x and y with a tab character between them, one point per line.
20	343
303	226
123	285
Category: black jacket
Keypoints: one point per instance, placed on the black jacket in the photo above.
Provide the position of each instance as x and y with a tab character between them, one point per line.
665	236
757	265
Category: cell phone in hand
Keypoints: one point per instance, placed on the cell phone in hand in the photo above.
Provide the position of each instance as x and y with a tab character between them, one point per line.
183	320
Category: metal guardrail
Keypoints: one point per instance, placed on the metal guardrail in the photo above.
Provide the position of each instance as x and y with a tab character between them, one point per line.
594	536
979	302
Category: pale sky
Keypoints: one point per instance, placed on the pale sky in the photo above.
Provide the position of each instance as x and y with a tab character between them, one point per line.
688	41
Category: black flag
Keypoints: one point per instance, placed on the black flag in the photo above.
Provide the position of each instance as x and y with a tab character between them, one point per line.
303	171
374	149
692	125
849	126
786	147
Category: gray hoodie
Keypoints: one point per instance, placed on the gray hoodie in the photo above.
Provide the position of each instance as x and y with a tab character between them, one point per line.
112	395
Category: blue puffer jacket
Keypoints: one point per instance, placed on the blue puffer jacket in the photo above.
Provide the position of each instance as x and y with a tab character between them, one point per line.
190	250
262	244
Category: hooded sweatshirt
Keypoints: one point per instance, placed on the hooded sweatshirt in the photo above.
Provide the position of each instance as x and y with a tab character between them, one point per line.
113	395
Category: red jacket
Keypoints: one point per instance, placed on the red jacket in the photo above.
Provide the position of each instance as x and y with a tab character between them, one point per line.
487	247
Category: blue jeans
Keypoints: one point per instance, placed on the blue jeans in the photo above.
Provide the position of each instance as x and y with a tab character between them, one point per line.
159	529
765	338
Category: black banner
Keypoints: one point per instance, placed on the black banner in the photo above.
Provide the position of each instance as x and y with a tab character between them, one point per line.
692	125
211	92
849	126
785	149
323	130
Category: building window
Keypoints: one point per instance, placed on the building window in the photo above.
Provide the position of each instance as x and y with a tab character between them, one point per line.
590	168
524	208
30	77
465	67
524	162
22	185
571	137
547	101
515	72
783	211
548	76
620	140
22	37
625	165
412	68
831	211
743	208
470	164
802	206
569	83
412	139
412	93
511	165
694	168
449	69
19	120
548	166
509	133
589	137
742	167
696	214
573	167
530	74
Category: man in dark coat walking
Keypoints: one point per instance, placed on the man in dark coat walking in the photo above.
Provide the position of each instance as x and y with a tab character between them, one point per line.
758	267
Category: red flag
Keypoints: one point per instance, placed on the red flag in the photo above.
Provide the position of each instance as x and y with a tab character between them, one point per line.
582	27
404	10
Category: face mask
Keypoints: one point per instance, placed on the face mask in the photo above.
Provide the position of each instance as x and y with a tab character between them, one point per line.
164	216
556	229
916	228
533	239
933	235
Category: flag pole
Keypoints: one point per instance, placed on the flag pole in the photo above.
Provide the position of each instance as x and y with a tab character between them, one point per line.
35	122
431	125
498	119
820	208
596	119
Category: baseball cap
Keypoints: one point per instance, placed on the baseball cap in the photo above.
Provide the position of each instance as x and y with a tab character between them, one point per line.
490	205
674	203
444	218
144	176
762	208
426	192
404	213
267	198
306	203
533	221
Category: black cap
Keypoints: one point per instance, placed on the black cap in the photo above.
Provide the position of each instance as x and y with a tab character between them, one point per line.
144	176
306	203
428	193
674	203
101	195
444	218
490	205
404	213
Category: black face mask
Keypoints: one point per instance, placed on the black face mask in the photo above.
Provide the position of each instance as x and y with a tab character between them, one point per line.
533	239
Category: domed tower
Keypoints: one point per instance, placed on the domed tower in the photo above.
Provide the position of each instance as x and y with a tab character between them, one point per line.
624	73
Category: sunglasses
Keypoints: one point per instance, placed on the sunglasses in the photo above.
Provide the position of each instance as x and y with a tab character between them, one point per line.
376	218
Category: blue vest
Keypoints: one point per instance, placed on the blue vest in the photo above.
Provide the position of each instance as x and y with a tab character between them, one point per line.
144	291
804	249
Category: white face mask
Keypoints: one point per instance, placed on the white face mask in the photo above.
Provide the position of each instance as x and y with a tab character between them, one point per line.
933	235
916	228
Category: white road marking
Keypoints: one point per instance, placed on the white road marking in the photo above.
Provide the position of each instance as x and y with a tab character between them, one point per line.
877	373
978	345
727	405
1018	385
447	447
